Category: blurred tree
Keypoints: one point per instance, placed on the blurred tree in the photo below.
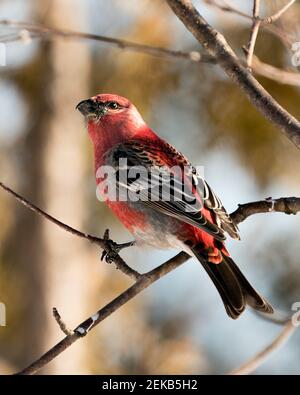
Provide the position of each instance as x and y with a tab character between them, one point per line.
63	169
23	274
236	123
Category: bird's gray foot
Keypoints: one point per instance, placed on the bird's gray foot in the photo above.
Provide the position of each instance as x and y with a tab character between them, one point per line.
113	249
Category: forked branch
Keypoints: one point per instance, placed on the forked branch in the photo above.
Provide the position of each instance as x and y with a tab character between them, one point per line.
216	46
142	281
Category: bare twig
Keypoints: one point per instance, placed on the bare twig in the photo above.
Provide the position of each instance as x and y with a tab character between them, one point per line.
216	45
61	323
86	326
266	23
258	67
224	6
278	317
43	31
274	73
288	205
104	244
251	365
42	213
254	33
273	18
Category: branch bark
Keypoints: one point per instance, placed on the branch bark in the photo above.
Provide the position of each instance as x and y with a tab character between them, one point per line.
289	205
216	46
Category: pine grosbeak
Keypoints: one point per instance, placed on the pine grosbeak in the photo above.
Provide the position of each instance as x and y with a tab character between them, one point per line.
118	131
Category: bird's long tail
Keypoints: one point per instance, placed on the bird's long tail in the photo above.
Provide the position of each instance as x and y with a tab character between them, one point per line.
234	289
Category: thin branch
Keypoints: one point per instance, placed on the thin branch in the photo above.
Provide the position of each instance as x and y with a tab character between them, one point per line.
42	213
61	323
278	14
217	47
43	31
288	205
274	73
266	22
253	363
86	326
258	67
253	33
103	243
278	317
224	6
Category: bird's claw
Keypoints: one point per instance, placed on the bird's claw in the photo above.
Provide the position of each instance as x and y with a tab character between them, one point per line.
111	253
112	250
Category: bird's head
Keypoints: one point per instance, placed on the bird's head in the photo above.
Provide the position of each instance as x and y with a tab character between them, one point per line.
108	113
112	119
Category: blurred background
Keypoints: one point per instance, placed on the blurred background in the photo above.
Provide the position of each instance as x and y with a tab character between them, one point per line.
178	325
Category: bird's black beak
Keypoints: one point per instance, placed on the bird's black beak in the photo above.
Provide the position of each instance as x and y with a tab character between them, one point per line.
91	108
87	107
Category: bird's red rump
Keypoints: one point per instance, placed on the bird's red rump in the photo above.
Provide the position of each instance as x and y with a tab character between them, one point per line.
210	247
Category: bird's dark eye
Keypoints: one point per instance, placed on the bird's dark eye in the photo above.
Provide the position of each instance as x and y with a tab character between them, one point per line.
112	105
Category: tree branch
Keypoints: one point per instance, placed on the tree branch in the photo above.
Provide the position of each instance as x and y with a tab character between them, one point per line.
274	73
102	243
278	14
224	6
86	326
37	31
254	33
217	46
62	325
265	22
253	363
286	205
44	31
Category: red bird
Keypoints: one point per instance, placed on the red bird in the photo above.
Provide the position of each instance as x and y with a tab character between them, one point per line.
118	132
